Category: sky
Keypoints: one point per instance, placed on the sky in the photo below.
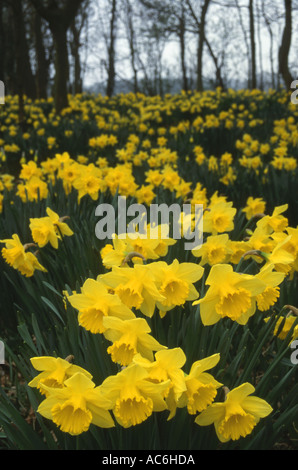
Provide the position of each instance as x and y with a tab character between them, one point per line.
221	40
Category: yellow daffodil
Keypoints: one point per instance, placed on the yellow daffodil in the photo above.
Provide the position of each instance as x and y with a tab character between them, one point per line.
129	337
14	251
89	182
34	189
269	296
137	247
237	416
259	240
15	255
142	244
275	222
237	250
135	286
290	236
161	234
230	294
215	250
59	223
175	282
94	303
145	195
201	387
219	218
280	257
29	170
254	206
77	405
284	325
49	229
43	232
134	397
53	372
115	254
30	265
68	174
166	366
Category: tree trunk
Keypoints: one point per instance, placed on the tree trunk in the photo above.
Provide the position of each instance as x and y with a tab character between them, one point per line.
246	41
111	52
252	45
75	50
182	50
59	20
61	66
219	79
271	57
284	49
42	74
25	78
201	41
131	40
261	83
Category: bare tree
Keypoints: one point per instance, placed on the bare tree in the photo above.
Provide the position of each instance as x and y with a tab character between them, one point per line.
129	20
252	44
200	22
172	20
59	17
259	35
285	46
25	78
111	49
78	24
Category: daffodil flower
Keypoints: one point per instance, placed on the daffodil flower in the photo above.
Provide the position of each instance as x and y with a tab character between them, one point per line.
94	303
280	257
77	405
201	387
30	265
288	323
59	223
269	296
43	232
167	366
275	222
129	337
230	294
15	254
49	229
175	282
237	416
53	372
14	251
135	286
254	206
133	396
214	251
219	217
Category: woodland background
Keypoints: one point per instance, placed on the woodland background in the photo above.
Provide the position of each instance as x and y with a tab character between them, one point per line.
57	47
